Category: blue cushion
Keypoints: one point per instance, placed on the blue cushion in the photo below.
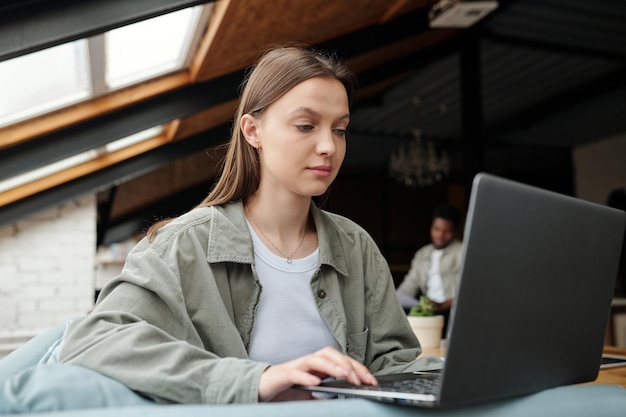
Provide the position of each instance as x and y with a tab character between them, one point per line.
574	401
30	353
52	387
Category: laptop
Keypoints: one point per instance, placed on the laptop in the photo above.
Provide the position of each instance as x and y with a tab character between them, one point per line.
532	307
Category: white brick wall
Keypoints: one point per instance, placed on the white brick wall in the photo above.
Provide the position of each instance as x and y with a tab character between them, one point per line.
47	268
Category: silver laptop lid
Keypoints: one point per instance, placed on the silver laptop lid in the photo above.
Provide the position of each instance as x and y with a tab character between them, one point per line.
536	287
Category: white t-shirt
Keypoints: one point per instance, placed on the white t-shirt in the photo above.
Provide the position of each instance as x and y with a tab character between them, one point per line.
287	324
434	285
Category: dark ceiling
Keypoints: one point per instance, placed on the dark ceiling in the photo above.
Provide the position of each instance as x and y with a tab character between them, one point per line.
550	74
515	92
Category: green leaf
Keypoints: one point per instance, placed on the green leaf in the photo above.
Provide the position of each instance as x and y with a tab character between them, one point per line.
424	309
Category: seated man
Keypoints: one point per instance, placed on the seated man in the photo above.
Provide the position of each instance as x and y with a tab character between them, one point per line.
435	267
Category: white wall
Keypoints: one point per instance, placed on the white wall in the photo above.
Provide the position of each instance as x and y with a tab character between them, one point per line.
47	268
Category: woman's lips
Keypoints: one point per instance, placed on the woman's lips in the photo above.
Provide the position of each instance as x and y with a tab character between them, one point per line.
321	171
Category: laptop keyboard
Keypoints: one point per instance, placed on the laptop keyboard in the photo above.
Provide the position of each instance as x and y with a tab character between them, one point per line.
416	385
422	385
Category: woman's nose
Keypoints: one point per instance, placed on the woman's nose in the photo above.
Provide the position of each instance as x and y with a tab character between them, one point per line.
326	143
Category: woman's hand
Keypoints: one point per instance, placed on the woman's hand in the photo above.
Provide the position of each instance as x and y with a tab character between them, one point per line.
310	370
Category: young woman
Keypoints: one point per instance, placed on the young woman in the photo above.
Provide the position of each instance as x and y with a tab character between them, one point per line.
256	289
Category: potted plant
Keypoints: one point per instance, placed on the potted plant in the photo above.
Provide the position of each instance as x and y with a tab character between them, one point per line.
426	324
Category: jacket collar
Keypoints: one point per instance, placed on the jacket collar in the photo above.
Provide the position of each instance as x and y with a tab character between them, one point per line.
230	239
330	235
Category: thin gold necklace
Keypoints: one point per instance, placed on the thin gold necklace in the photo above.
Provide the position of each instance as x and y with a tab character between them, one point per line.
289	258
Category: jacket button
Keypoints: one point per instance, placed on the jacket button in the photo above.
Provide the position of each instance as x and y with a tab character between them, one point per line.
321	294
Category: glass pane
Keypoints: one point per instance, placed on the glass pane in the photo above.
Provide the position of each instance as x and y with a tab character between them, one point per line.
47	170
43	81
133	139
149	48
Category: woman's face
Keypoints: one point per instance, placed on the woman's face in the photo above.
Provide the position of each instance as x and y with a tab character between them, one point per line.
302	137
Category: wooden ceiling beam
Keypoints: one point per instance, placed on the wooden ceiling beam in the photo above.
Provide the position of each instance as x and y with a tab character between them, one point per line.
202	58
248	26
21	132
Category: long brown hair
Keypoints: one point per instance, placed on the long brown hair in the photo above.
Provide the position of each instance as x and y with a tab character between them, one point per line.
278	71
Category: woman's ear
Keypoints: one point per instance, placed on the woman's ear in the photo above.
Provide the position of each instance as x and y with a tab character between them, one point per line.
249	128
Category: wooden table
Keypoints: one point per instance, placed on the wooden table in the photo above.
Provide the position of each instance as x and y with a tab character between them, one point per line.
615	375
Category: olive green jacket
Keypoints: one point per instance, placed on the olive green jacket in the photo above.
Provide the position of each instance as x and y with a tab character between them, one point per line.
176	324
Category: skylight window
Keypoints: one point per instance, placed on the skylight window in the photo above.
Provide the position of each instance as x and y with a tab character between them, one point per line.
56	77
149	48
43	81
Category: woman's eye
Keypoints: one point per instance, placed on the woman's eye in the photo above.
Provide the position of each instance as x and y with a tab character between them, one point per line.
305	128
340	132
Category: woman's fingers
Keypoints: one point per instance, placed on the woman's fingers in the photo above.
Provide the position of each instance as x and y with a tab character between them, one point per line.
348	368
310	370
278	378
